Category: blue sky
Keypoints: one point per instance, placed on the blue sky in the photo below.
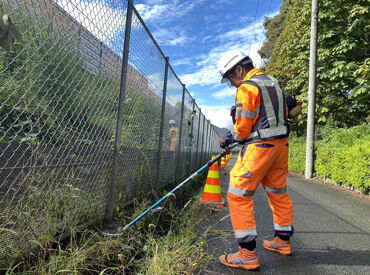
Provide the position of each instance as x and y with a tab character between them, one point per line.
193	33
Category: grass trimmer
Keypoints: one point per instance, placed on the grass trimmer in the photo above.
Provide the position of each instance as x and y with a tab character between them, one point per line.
154	208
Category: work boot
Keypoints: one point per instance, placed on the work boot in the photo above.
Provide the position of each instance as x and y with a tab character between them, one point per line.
279	245
243	259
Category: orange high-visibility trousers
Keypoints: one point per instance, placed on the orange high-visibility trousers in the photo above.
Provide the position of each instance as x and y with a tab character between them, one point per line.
263	162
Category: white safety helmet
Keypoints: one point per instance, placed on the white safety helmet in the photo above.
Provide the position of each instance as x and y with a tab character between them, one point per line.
172	122
229	60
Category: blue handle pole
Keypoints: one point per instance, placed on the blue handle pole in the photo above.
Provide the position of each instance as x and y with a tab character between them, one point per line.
208	164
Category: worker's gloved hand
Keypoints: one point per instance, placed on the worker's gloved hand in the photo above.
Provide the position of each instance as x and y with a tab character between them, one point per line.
294	106
227	140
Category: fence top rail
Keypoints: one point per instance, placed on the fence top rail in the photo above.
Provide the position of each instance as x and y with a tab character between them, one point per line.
192	98
147	30
158	47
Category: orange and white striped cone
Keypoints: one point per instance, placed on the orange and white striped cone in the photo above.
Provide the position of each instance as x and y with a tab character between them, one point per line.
212	190
223	162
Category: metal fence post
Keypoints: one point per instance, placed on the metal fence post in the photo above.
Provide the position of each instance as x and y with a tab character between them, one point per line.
191	139
211	142
204	139
196	151
207	142
202	147
122	93
162	121
180	134
209	138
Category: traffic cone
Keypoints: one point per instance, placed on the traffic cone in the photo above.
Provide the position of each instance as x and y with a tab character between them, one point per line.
212	189
223	162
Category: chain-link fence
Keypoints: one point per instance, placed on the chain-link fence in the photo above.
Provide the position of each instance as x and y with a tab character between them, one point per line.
85	103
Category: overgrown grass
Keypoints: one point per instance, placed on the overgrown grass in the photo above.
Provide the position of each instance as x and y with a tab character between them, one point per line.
51	205
160	243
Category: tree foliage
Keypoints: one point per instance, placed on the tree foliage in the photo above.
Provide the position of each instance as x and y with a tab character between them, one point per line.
343	70
274	26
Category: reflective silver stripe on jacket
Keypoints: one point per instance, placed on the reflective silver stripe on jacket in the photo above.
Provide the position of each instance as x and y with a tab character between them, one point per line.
275	190
240	192
245	113
282	227
244	233
277	128
236	136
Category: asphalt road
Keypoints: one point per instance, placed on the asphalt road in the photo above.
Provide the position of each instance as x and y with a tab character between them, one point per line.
332	232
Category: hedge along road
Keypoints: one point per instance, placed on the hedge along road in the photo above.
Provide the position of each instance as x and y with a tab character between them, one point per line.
332	231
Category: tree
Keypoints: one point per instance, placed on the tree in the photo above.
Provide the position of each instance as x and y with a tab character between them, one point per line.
274	26
343	72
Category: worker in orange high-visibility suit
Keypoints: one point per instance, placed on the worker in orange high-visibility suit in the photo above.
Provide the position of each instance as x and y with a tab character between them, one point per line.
173	136
260	123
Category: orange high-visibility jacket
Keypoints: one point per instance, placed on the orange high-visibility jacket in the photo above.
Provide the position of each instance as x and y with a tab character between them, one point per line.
261	111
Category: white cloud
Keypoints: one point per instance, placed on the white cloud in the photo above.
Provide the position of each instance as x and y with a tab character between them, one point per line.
205	38
218	115
185	61
171	37
218	2
177	40
162	12
207	73
205	76
93	16
226	92
151	12
245	32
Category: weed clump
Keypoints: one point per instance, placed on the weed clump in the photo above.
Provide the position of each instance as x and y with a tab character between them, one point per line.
161	243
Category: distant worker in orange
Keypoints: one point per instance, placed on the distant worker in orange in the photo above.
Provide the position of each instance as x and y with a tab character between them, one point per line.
173	136
260	123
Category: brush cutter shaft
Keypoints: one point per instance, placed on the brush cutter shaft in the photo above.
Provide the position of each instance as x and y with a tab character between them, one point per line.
209	164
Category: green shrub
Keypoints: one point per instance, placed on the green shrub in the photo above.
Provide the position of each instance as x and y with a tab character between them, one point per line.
342	156
297	155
